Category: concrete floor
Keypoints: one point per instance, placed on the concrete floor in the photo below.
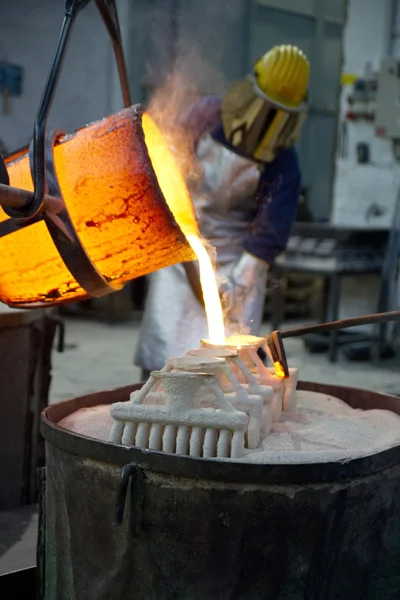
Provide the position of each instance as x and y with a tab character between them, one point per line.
18	537
100	356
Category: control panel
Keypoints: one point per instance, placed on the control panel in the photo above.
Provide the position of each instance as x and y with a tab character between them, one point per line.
387	119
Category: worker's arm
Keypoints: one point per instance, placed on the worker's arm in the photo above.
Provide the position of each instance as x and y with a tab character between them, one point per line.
277	200
278	197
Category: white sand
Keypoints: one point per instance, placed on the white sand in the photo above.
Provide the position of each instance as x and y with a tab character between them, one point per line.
324	429
95	422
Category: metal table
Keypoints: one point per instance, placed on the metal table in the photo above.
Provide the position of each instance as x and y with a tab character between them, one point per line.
332	253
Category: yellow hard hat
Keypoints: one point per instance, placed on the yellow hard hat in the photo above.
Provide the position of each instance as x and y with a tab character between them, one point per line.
282	74
265	112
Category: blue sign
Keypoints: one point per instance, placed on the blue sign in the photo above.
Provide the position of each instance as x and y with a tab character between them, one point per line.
11	78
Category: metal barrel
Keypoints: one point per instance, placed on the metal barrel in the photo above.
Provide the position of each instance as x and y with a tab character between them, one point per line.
125	523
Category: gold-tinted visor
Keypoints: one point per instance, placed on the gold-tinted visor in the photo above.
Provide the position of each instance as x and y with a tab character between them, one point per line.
256	125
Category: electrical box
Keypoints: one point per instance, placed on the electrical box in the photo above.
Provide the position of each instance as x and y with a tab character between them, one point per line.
387	119
362	100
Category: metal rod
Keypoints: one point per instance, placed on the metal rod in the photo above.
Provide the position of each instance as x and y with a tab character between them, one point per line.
21	205
343	324
4	178
109	14
39	133
11	197
123	76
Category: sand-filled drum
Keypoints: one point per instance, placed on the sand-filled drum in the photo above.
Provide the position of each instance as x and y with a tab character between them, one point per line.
312	511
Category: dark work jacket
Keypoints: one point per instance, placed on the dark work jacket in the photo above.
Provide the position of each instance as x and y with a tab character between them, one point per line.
279	187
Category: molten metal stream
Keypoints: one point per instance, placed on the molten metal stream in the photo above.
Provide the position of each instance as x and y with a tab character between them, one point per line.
215	320
177	195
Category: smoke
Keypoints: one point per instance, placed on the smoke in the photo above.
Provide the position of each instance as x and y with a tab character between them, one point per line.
233	312
186	43
177	78
170	103
168	106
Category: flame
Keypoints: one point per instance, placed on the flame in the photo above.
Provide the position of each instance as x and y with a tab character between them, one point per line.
279	370
169	176
166	112
242	340
173	185
168	108
215	320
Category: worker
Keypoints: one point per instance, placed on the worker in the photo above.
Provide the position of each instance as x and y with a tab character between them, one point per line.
245	198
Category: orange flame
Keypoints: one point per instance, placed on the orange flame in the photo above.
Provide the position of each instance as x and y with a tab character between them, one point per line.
165	111
279	370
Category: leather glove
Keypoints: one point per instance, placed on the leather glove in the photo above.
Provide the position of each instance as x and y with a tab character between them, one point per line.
244	278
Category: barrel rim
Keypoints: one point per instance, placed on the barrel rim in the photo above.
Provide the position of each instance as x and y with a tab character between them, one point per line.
216	469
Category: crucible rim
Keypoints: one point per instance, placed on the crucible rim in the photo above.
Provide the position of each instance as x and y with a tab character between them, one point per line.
227	472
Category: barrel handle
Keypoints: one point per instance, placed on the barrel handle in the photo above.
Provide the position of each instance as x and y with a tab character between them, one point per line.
133	475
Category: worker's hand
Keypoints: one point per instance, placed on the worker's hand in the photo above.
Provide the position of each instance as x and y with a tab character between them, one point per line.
245	277
232	301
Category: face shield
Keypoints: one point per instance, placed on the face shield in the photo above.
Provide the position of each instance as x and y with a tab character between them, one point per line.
257	124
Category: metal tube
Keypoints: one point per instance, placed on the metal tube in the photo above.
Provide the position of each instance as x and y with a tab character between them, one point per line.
11	197
343	324
109	14
20	204
4	178
123	76
39	132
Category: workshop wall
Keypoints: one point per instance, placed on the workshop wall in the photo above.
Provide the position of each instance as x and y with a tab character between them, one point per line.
214	42
88	87
364	194
358	188
209	49
395	31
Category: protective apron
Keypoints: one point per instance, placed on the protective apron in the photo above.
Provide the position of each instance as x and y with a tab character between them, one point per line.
225	200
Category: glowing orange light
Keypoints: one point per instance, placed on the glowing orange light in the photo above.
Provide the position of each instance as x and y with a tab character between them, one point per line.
279	370
243	340
179	201
120	183
212	302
